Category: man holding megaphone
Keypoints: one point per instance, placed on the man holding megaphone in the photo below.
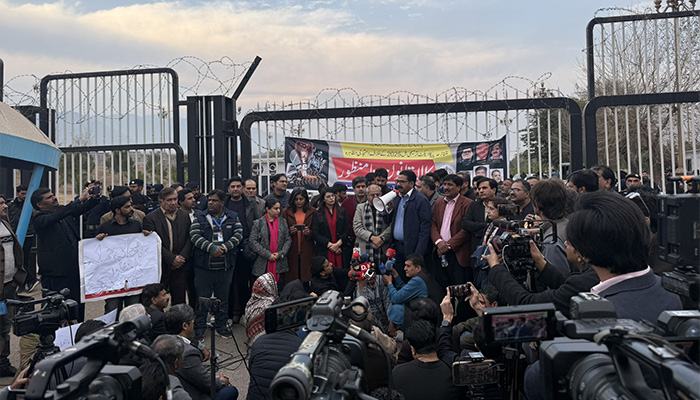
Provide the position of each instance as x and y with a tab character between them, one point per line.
409	217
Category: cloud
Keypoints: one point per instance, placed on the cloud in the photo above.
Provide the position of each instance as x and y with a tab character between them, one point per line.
304	50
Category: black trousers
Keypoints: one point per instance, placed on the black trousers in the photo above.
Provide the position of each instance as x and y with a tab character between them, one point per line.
241	286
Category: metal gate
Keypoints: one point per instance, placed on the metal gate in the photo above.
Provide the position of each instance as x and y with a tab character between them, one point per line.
113	126
644	114
544	133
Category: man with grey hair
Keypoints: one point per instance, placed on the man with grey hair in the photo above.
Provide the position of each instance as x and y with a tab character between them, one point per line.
170	348
179	320
131	312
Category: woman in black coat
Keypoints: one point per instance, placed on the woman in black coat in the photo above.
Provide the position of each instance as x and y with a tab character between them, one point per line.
332	239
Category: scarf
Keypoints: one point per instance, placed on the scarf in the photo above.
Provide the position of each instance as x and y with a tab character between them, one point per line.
274	237
335	259
264	293
7	241
374	225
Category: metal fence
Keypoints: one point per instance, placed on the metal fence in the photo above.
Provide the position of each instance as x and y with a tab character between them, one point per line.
643	112
544	134
113	126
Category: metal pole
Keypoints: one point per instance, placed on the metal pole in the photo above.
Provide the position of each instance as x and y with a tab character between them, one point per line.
2	79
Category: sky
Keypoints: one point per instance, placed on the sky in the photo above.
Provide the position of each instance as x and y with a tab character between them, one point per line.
371	47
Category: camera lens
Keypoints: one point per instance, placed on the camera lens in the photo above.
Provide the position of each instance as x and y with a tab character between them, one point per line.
594	377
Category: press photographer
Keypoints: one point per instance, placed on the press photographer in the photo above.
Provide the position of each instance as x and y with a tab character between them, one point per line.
609	234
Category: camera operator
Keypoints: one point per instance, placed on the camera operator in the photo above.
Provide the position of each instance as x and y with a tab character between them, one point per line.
12	276
57	240
170	348
514	293
155	298
179	320
608	233
426	376
549	201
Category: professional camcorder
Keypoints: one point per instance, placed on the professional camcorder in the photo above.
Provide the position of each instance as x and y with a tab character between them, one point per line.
330	361
679	230
56	309
513	242
96	380
602	356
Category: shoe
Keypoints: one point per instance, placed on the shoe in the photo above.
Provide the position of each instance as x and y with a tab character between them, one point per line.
224	333
235	319
8	371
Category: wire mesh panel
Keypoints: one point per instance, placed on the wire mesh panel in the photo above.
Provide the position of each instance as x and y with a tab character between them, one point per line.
538	130
655	135
135	111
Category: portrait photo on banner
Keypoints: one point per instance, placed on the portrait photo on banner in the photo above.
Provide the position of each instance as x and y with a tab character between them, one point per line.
486	158
306	162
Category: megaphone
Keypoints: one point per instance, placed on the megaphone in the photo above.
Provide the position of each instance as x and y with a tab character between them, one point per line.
380	203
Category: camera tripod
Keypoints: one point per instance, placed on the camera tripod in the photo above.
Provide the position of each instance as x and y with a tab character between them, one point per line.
45	348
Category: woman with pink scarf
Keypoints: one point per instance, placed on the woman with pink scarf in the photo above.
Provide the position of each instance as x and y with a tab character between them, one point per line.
264	293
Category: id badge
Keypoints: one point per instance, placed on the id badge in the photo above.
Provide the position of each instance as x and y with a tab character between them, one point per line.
219	237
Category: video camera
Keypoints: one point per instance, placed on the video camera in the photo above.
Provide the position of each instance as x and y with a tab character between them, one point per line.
56	310
513	242
330	361
96	380
602	356
678	230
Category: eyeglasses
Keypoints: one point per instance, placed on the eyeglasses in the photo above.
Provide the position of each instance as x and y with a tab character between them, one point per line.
637	199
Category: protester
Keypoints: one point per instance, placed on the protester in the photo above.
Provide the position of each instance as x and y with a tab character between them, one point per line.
299	214
216	234
121	224
264	294
57	240
451	241
427	185
381	177
119	191
14	212
475	220
410	220
12	275
372	233
173	227
359	187
279	190
248	210
187	202
520	195
331	231
270	241
606	177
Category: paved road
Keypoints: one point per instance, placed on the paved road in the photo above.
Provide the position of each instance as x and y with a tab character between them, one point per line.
232	352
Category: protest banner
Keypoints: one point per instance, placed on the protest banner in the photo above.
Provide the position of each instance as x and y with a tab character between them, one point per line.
118	266
312	162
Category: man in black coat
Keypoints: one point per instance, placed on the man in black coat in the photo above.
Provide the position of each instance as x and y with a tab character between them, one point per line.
248	210
57	240
475	221
173	227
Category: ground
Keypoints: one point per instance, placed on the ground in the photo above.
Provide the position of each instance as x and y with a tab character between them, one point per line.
231	351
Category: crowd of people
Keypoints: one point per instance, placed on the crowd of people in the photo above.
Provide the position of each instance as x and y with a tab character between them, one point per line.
251	252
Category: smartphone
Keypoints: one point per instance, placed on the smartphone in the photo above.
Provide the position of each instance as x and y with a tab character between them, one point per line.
300	227
288	315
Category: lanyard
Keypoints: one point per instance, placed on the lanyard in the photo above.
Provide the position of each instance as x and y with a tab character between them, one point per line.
217	222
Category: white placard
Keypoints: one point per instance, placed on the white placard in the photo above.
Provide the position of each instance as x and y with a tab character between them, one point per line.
65	337
118	266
